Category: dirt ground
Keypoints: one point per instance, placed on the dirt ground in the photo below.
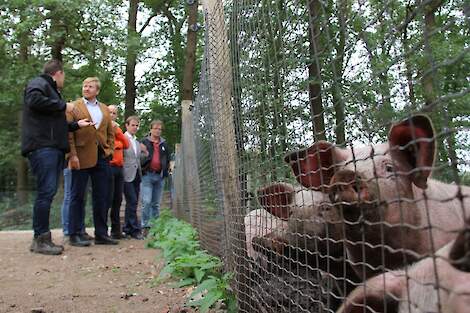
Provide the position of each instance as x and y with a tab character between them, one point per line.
101	279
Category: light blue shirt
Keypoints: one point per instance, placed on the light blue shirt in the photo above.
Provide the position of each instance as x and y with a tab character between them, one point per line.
95	111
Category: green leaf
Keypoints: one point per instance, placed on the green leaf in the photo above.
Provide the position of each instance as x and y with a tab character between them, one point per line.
184	282
199	274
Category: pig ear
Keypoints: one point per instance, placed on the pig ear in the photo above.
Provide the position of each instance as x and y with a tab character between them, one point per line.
459	255
277	199
313	167
412	145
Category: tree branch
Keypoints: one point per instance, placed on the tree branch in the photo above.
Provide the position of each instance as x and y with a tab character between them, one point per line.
147	22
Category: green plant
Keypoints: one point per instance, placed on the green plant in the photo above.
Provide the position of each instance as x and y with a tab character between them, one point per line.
186	262
212	290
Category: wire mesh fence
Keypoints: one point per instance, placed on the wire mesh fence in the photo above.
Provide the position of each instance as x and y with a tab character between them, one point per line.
326	155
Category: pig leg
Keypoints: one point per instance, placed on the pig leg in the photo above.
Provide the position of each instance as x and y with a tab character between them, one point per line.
460	253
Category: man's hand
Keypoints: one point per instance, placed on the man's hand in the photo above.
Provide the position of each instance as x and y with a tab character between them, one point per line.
74	163
144	150
69	107
85	122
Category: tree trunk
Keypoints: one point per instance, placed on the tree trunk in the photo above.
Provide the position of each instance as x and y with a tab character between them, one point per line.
237	104
316	105
131	59
428	79
188	74
338	102
408	66
58	36
21	165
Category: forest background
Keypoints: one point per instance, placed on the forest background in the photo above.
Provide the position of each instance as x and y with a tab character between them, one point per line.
375	66
136	48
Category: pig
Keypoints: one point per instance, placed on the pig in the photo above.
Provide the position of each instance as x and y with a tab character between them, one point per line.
434	284
306	241
390	212
260	223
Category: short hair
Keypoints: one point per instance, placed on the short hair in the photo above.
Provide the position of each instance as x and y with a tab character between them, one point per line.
93	80
132	118
52	66
156	122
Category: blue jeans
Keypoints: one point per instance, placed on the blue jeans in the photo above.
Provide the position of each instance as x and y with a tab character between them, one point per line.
65	209
46	165
131	192
151	189
66	203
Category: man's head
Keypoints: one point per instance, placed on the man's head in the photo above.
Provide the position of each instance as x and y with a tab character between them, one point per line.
55	69
113	111
91	88
132	124
156	128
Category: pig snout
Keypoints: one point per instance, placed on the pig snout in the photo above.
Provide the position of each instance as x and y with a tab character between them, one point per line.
349	187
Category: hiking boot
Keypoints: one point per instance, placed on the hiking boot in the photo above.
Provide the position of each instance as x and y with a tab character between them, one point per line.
43	244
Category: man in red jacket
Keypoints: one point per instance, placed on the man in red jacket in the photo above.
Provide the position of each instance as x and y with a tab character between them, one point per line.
116	176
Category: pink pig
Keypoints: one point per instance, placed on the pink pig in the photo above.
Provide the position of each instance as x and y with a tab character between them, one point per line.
434	284
390	211
260	223
307	240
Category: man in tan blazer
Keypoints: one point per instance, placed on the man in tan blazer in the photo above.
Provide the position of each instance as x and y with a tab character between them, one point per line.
91	148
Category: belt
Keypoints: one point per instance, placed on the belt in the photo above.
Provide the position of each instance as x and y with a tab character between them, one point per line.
153	171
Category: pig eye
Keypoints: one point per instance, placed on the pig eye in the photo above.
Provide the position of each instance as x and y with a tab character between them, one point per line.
389	168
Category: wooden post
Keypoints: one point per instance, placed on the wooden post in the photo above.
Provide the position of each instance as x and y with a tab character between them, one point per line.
191	174
177	190
220	80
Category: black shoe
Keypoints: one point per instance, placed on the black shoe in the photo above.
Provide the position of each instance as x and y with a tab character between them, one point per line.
79	241
86	236
118	236
105	240
137	236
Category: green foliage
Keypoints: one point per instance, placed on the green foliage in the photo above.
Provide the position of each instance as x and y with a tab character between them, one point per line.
185	261
212	290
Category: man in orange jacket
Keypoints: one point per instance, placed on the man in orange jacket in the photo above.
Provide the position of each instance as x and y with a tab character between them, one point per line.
116	178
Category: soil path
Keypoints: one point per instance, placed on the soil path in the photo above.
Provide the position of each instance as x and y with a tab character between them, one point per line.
96	279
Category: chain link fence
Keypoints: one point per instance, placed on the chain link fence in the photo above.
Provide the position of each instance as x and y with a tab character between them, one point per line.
325	157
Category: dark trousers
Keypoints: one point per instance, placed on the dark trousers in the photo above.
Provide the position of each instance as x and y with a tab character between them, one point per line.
99	175
131	193
116	186
47	165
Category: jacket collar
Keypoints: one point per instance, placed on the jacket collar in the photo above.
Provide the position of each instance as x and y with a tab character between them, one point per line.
162	140
51	81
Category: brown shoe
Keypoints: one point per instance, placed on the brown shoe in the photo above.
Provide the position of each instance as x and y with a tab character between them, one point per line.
43	244
145	232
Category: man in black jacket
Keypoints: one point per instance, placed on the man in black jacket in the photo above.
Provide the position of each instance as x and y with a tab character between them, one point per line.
44	142
154	169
